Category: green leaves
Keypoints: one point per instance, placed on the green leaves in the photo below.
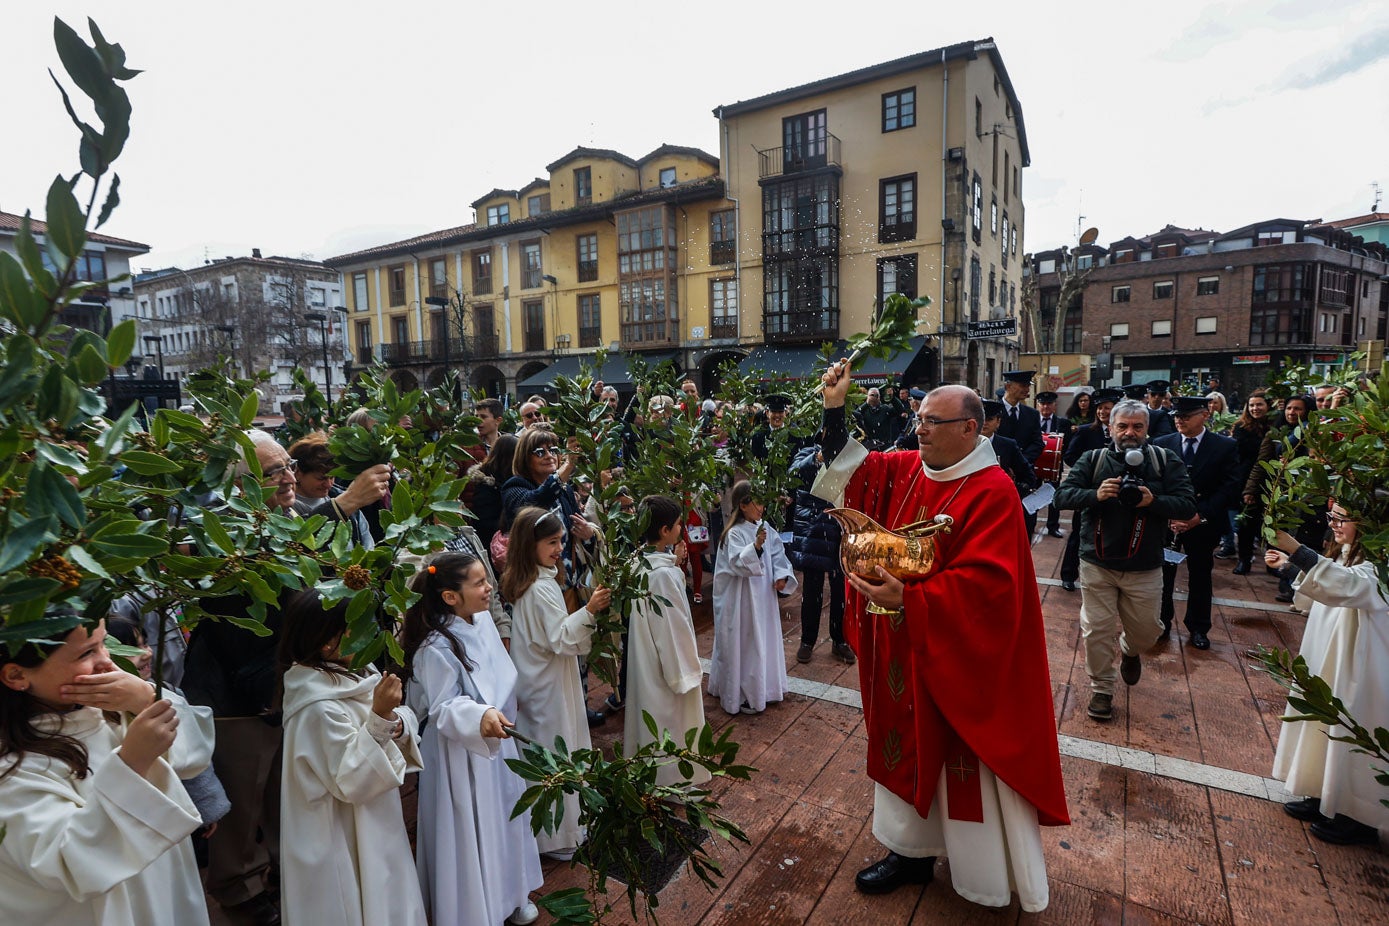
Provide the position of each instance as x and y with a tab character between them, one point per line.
66	223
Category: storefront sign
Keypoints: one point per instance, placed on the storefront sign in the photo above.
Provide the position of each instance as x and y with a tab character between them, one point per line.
993	328
1251	358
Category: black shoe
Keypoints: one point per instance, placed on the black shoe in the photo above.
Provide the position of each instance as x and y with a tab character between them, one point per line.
1241	568
1343	831
844	653
1308	809
1166	631
1131	669
596	718
1054	532
1200	640
894	871
260	910
805	652
1068	585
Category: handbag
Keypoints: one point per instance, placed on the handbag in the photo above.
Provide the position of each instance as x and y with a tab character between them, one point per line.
497	549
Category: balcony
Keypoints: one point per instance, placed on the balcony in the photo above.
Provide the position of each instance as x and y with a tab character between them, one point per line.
724	327
407	352
798	159
366	355
810	325
482	286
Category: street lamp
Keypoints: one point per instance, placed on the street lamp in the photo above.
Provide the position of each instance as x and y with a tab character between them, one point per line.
322	320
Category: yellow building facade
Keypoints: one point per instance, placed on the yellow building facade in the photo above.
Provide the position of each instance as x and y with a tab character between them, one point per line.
901	177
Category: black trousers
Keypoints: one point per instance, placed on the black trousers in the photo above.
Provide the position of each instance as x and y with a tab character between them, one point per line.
1199	545
812	600
1070	560
1250	524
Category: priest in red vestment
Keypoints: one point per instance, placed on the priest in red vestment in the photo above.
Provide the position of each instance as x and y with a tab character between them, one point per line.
956	692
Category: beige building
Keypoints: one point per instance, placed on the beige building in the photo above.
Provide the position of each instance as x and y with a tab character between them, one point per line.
901	177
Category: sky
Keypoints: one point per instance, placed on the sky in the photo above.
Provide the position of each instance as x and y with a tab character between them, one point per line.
312	129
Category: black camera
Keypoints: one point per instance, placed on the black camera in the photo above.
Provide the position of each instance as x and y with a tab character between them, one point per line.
1131	483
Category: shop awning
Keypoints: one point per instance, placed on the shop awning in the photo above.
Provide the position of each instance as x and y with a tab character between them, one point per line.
615	372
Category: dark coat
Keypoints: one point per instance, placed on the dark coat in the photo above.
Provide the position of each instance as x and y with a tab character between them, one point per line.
487	503
1160	423
1214	474
229	668
1090	437
1015	464
519	492
1026	430
814	534
1248	441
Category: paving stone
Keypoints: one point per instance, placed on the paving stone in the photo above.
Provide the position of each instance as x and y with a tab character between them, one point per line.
1270	871
1171	861
1072	904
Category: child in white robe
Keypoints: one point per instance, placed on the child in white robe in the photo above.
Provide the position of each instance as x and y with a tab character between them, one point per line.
97	821
663	670
344	852
748	667
475	863
546	641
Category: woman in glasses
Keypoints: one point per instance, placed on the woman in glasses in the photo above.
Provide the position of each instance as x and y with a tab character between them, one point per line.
542	479
1346	643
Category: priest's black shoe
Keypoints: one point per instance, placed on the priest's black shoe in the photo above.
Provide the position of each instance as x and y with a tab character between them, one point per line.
894	871
596	718
1200	640
1241	568
1068	585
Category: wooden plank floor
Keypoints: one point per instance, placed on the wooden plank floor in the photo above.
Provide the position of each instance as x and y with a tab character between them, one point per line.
1141	848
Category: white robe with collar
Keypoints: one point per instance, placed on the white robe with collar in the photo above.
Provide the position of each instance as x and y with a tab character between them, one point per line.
663	670
1346	642
344	852
546	643
748	665
476	865
109	849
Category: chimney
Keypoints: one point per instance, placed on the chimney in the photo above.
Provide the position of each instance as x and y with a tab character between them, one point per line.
255	253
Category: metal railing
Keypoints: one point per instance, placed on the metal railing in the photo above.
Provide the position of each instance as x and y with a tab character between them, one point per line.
795	159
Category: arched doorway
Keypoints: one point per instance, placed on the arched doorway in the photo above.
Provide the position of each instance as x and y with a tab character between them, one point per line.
490	380
709	378
435	377
405	380
525	373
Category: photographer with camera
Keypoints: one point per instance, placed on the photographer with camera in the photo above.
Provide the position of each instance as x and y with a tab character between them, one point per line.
1126	495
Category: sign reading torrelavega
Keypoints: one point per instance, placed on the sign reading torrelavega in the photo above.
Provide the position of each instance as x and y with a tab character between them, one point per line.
993	328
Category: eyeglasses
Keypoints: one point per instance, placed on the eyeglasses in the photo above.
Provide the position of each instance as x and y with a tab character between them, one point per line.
1338	521
547	451
930	421
275	472
531	415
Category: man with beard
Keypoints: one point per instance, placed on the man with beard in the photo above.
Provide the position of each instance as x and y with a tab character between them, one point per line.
1125	505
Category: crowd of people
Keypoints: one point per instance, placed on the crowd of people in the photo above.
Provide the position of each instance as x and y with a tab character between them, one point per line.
272	764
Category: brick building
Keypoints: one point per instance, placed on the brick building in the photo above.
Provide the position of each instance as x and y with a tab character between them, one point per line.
1189	305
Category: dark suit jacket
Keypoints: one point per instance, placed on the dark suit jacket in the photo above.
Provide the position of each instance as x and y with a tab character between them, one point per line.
1214	474
1160	423
1010	457
1090	437
1059	425
1027	431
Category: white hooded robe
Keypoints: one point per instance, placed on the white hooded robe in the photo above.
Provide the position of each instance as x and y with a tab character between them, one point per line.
748	664
476	865
344	852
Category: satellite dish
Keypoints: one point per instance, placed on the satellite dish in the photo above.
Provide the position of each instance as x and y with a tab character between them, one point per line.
1090	235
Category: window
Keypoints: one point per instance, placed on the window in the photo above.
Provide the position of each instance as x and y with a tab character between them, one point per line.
1283	283
667	177
647	307
1005	240
364	356
978	118
1007	174
976	283
583	185
1085	261
588	258
804	141
1165	250
899	109
1123	256
439	278
897	209
993	217
723	308
1268	239
1328	323
1162	289
1013	241
533	314
1206	324
400	329
643	240
1119	330
1046	266
1162	328
318	297
1336	287
498	215
590	321
896	275
1207	286
1073	332
993	288
482	272
484	331
397	278
359	292
538	204
1119	293
531	269
977	199
722	245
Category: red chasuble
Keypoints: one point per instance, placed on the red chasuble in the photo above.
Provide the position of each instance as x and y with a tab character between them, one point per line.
961	677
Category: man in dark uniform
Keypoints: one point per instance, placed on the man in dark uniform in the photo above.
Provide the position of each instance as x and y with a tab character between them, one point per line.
1021	422
1053	423
1091	437
1159	418
1010	457
1212	463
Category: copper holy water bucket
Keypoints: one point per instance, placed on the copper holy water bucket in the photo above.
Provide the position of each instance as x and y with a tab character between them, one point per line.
907	553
